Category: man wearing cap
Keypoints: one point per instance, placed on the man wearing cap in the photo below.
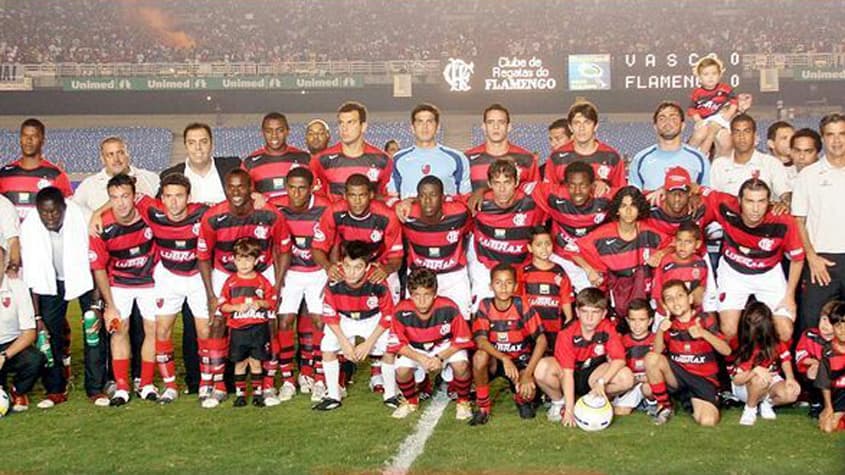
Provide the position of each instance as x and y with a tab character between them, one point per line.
649	166
317	136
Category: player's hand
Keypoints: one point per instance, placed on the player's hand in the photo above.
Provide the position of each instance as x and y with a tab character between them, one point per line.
432	363
743	102
779	208
788	304
695	330
656	197
258	200
378	274
764	374
362	351
526	387
654	258
665	325
510	370
474	202
95	226
824	416
599	390
112	318
348	350
601	187
403	209
335	272
818	269
213	303
792	385
812	368
595	278
567	420
13	269
694	202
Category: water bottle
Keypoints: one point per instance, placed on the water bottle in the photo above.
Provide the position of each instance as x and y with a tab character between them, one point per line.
92	337
43	344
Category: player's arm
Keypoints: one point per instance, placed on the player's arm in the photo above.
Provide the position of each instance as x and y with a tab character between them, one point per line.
719	344
526	385
110	313
567	380
659	337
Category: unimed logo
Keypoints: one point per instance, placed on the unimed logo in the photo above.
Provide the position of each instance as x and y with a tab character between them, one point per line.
457	74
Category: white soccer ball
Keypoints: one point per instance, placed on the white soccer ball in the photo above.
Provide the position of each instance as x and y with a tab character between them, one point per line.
4	402
593	413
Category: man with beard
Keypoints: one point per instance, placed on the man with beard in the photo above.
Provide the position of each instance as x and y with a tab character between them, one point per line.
317	136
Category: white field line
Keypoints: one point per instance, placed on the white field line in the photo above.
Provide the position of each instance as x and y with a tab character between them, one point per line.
413	445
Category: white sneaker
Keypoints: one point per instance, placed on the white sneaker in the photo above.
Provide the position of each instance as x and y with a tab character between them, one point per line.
101	401
306	383
376	384
121	397
149	393
287	391
463	411
46	404
169	395
318	391
204	392
404	410
215	399
766	410
749	416
554	412
270	400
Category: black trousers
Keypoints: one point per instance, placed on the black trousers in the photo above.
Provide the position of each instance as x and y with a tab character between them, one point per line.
814	296
24	366
190	349
54	314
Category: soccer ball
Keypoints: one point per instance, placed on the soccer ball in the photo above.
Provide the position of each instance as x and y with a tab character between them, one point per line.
593	413
4	402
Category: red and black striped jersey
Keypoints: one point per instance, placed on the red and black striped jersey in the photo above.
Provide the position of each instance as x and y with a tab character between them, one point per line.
693	272
570	221
303	226
706	102
696	356
545	291
502	234
439	247
606	162
126	252
780	356
480	160
832	369
331	168
635	351
268	170
754	250
444	324
221	228
176	241
369	300
238	290
21	185
512	331
573	351
668	225
378	225
606	251
811	345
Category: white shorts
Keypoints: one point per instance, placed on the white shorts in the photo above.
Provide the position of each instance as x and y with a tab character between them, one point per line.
392	282
171	291
143	296
631	399
299	285
577	275
479	276
710	301
716	118
352	328
419	371
741	392
455	285
735	288
218	278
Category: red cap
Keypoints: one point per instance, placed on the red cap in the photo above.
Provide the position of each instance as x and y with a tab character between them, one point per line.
677	178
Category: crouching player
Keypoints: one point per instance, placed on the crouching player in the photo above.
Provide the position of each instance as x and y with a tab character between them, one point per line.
638	341
808	355
429	333
589	358
355	307
249	302
510	343
831	377
689	367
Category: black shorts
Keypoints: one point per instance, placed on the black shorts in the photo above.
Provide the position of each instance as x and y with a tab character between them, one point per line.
692	386
837	397
582	378
250	342
551	339
520	361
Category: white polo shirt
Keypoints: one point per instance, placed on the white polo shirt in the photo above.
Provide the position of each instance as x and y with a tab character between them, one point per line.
205	189
10	223
728	176
92	193
16	313
818	198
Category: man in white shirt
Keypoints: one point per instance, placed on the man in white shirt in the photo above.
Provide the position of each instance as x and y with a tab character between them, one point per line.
817	206
728	173
91	193
17	335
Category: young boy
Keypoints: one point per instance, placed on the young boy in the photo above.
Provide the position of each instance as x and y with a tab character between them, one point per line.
356	307
685	264
510	342
690	341
831	377
589	358
429	333
545	288
808	355
638	341
712	106
249	305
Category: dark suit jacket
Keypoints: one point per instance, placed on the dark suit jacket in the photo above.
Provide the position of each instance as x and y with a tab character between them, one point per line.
223	164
